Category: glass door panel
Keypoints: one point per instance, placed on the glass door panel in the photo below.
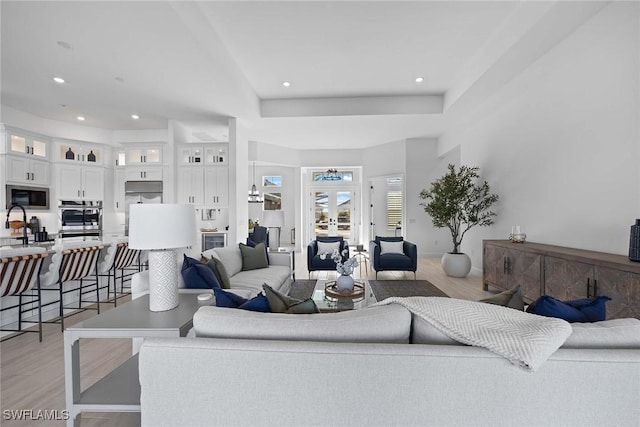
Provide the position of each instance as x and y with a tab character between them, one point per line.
321	213
333	213
344	213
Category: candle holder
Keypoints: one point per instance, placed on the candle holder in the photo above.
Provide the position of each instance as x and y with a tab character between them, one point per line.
517	234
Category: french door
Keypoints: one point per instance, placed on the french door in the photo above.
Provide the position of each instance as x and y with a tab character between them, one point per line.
333	213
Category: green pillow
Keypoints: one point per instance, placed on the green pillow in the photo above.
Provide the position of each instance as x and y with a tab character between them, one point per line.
220	272
281	303
253	258
511	298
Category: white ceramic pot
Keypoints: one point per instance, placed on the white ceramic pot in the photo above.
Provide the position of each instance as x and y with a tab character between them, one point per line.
344	283
456	265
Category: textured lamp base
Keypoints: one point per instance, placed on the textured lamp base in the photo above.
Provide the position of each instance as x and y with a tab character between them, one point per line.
163	280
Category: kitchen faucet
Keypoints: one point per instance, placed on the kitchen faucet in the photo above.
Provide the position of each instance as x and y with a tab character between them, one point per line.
25	238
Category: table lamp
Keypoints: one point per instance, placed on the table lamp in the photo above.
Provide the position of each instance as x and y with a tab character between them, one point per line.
274	221
160	229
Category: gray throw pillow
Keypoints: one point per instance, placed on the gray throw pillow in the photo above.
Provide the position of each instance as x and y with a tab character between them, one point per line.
221	273
253	258
511	298
281	303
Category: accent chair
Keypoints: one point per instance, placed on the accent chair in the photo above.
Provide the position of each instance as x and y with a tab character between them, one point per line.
393	254
315	263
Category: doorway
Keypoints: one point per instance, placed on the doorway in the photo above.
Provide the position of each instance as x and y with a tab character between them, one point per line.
333	213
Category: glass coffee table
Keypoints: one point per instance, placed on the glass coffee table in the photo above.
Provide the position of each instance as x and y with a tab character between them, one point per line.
327	303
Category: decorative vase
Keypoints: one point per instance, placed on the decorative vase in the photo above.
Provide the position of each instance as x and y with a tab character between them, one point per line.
344	283
456	265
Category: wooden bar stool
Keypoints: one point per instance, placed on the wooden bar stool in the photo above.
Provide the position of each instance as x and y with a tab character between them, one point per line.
20	276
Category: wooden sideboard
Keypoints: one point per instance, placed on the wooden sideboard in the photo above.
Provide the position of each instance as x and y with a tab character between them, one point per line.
564	273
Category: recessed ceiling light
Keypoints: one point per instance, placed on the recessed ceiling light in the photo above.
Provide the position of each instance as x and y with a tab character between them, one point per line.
81	118
64	45
58	80
135	116
119	79
419	79
286	84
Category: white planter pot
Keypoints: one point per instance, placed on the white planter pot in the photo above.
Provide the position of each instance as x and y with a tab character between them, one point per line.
456	265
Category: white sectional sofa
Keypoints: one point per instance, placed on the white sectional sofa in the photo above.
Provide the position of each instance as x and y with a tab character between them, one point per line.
379	367
248	283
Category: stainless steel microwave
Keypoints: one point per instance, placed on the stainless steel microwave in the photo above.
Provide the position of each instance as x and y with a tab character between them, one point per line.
28	197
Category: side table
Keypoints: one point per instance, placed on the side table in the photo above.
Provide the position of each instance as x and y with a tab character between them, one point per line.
119	391
284	256
362	256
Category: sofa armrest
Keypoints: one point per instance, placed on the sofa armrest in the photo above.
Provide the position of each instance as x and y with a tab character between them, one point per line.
411	250
374	254
312	248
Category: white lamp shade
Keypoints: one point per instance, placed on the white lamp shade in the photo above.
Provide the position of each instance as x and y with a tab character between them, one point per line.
161	226
273	219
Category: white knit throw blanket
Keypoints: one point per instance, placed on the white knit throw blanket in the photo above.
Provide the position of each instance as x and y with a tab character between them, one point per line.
525	339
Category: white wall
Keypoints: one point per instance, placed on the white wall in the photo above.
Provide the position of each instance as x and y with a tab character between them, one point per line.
423	167
560	143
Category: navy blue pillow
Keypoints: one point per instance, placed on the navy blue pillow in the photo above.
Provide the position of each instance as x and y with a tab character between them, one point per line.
257	303
585	310
594	309
228	299
231	300
197	275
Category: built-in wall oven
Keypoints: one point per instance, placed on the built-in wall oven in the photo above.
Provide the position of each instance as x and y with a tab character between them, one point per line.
80	218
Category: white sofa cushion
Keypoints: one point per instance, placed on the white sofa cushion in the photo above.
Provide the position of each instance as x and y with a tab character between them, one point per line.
615	333
385	324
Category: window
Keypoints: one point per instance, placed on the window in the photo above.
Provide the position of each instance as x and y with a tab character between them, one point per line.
272	181
333	175
394	208
272	201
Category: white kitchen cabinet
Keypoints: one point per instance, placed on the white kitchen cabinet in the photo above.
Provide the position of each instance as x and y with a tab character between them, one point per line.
216	185
79	152
119	178
191	185
143	173
143	155
216	154
80	182
191	154
25	170
26	144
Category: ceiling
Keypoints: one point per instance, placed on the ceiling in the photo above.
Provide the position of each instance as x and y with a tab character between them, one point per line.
352	65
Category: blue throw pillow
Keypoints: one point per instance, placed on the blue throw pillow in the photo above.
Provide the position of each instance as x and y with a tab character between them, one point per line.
589	310
595	310
197	275
231	300
257	303
228	299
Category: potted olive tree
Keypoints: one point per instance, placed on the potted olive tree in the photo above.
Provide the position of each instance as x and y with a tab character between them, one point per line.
459	202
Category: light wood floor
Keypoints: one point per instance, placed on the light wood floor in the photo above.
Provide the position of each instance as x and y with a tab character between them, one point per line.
32	373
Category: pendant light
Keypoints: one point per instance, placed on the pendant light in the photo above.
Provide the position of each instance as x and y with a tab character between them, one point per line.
254	194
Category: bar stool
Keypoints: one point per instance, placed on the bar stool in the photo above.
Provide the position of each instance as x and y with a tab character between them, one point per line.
119	257
77	264
19	275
